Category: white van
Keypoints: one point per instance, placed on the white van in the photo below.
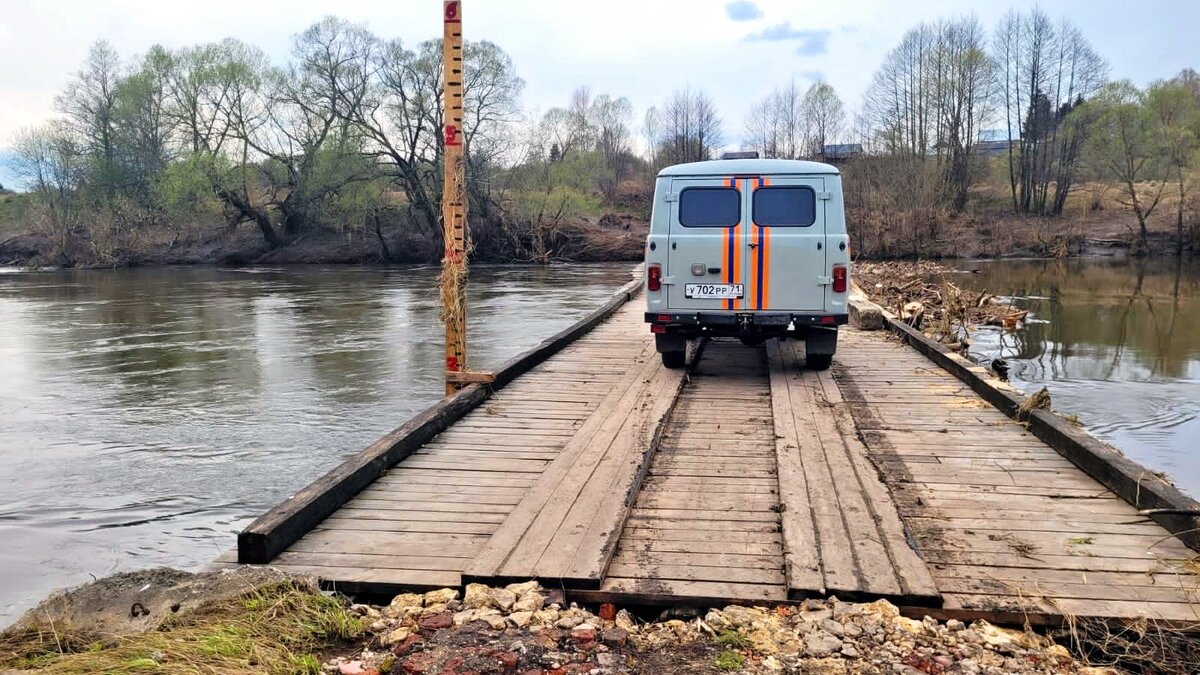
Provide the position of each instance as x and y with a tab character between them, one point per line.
748	248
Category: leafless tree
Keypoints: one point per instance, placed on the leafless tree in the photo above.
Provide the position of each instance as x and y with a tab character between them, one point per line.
824	117
1047	74
691	128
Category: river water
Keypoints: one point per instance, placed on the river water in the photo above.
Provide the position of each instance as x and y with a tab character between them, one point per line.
1115	342
147	415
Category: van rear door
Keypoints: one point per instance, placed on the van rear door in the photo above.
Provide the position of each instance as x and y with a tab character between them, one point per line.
785	264
704	251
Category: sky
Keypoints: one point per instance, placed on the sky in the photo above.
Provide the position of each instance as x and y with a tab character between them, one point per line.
737	51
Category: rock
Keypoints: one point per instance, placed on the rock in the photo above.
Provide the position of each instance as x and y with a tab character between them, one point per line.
478	596
523	588
955	625
584	633
556	659
568	622
440	596
615	637
608	611
436	621
771	663
520	619
464	617
494	621
530	601
820	644
605	660
626	622
834	628
815	616
436	608
545	617
741	617
504	599
395	636
407	600
849	652
378	626
813	605
352	668
407	645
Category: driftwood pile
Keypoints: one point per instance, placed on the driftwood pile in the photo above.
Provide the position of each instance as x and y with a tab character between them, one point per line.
924	295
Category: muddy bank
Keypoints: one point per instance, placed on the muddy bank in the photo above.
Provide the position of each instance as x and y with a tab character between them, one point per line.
608	238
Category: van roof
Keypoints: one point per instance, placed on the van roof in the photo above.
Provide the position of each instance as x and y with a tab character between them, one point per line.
725	167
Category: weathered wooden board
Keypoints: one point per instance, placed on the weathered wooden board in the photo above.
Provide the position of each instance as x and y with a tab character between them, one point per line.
860	544
1007	526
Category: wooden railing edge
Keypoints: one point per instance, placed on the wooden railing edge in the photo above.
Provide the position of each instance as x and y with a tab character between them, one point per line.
281	526
1129	479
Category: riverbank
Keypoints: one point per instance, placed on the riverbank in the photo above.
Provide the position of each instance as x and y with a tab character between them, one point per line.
253	620
607	238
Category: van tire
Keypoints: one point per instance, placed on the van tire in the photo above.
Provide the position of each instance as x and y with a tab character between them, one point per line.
818	361
674	360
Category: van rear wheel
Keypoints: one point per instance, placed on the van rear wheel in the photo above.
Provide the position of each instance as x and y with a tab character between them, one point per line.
674	359
818	361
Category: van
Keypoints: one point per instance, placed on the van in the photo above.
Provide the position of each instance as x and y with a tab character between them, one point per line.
748	248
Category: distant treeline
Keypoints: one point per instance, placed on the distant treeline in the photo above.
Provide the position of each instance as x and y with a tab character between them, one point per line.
345	136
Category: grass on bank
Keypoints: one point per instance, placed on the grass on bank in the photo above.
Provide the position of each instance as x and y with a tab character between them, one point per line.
277	629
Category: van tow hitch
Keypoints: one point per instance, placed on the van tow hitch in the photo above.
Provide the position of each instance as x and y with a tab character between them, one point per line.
745	321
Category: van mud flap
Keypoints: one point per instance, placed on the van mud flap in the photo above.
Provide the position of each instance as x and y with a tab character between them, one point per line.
818	340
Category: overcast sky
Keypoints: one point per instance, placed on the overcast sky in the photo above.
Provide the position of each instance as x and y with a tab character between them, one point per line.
643	49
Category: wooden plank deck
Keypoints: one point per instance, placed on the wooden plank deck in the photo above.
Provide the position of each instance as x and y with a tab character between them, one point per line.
751	480
429	516
1006	524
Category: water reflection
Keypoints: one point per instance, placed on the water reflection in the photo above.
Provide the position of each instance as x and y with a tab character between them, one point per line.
148	414
1117	343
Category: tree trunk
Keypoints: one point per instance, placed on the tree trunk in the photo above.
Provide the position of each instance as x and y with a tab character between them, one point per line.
248	212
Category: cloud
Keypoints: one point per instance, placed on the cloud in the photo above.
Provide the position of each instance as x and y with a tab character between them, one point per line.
743	10
812	42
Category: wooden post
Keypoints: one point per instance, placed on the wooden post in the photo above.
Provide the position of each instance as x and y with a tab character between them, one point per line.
454	200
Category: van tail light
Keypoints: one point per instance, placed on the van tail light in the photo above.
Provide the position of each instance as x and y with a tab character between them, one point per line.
654	278
839	279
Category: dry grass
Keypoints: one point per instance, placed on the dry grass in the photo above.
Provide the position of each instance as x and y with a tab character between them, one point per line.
275	629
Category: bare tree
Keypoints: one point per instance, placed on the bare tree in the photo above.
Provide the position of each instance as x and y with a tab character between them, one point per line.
824	116
89	102
1047	74
691	128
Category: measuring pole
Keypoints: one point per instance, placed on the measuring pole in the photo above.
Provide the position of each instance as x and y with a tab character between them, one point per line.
454	200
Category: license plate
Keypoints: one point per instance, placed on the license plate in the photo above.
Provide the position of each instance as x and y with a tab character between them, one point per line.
718	291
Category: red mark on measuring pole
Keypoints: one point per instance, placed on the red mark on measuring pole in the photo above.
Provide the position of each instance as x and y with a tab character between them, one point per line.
452	135
452	364
452	15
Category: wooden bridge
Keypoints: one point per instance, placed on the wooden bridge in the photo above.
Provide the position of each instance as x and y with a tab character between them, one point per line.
900	473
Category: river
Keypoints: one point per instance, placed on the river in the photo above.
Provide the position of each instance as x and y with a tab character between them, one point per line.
149	414
1116	343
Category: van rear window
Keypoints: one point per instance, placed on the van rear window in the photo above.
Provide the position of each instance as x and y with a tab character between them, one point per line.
710	207
783	206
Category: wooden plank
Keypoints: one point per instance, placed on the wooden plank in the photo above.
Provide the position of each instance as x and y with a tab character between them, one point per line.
672	592
593	525
563	476
692	573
